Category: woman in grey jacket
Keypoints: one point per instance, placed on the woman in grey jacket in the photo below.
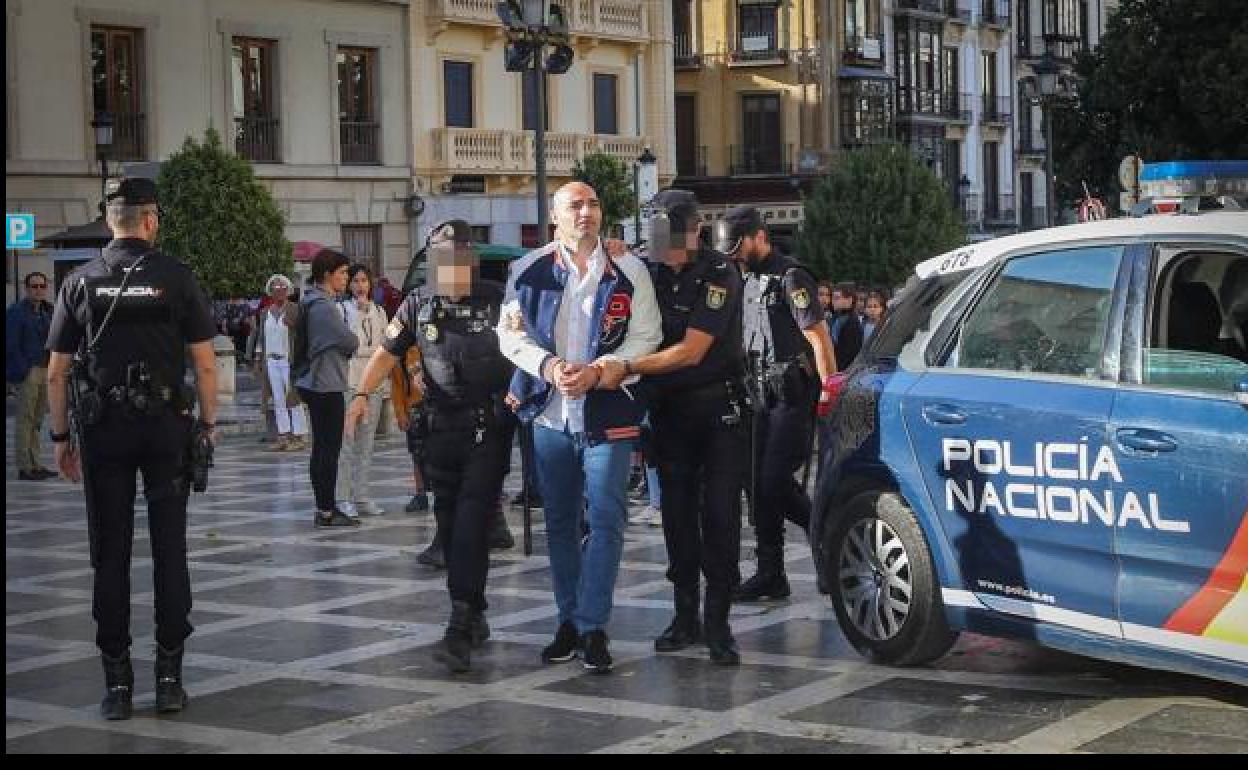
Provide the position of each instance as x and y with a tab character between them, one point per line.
368	323
330	343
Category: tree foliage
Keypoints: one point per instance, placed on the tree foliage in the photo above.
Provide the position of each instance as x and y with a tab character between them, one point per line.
878	213
220	220
1169	81
612	179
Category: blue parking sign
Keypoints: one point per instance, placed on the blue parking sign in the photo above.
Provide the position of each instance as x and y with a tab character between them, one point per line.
19	231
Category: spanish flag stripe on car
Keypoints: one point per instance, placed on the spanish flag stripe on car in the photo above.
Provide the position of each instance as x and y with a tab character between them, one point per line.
1220	607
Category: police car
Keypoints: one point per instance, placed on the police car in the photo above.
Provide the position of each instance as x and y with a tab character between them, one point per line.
1048	439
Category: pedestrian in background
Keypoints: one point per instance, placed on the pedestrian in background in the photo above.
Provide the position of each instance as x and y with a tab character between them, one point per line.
26	369
405	396
368	323
876	307
271	352
322	383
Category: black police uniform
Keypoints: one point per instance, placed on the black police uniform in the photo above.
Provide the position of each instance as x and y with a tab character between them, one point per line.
781	300
465	437
700	418
137	421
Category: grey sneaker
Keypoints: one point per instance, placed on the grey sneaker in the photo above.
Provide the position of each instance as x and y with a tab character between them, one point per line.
369	508
347	508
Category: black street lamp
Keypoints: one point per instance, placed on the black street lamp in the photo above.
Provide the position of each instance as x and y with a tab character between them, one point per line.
103	128
1048	87
531	26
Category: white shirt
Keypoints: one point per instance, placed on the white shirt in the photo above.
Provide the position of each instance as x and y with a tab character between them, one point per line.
276	338
572	330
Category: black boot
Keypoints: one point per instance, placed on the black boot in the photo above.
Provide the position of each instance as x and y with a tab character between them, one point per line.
770	581
685	629
455	649
435	555
170	697
478	630
719	639
500	537
119	679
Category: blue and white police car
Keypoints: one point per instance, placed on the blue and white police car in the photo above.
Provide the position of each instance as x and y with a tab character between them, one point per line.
1048	439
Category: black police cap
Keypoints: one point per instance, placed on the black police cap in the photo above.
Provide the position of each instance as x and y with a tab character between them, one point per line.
737	223
130	191
679	205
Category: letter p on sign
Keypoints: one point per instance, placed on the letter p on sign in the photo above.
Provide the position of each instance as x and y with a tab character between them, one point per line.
19	231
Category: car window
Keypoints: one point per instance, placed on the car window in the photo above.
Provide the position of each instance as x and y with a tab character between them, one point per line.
1043	313
910	313
1198	338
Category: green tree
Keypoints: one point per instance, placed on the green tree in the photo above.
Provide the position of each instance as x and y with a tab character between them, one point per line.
877	214
217	217
613	181
1168	81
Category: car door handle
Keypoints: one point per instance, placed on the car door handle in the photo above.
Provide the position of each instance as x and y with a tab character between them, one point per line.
1146	440
943	414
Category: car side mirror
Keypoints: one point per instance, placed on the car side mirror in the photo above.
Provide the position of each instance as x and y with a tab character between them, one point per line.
1241	392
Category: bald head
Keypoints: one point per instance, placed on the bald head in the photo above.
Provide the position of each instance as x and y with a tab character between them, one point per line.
577	213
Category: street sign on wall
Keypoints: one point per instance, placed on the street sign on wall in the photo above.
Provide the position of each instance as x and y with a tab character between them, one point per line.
19	231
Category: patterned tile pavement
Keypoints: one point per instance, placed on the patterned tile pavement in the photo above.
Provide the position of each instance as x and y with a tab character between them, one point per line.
312	641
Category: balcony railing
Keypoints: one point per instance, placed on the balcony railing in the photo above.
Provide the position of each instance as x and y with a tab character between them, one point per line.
359	143
959	108
691	163
752	53
997	109
593	18
927	102
999	208
939	7
684	53
255	139
995	13
129	135
776	159
864	49
1035	218
499	151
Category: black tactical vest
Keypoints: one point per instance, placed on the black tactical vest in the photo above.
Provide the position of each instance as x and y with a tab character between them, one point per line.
143	327
459	349
770	330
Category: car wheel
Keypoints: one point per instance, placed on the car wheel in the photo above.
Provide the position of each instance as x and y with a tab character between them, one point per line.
883	586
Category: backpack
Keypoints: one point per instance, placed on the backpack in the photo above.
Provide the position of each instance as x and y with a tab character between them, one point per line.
300	361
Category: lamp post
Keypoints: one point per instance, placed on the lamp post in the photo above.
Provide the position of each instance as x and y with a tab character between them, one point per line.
103	128
1046	88
531	26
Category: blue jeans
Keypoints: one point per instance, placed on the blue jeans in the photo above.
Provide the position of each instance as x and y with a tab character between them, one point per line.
568	473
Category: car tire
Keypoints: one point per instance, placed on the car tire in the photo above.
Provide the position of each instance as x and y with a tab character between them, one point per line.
873	556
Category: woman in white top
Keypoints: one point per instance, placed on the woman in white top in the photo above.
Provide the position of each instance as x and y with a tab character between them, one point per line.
368	322
273	349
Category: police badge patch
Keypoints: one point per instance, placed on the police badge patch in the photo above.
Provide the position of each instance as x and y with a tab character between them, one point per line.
431	332
715	296
801	299
394	329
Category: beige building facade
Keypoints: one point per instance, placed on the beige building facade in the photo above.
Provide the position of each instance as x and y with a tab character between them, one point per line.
313	92
473	145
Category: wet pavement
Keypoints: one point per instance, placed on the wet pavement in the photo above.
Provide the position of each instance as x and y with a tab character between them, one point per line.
318	641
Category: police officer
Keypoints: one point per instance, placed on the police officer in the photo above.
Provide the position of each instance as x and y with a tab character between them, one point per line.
699	415
119	334
466	444
790	356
